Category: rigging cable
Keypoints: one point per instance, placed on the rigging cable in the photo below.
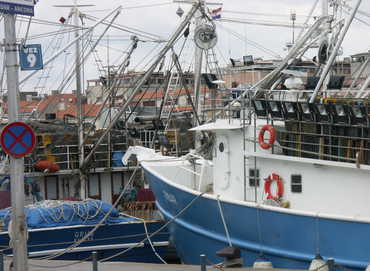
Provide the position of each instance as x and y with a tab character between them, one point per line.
90	233
252	43
157	231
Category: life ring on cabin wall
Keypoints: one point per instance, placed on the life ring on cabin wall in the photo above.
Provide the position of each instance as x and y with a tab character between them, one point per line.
261	136
280	187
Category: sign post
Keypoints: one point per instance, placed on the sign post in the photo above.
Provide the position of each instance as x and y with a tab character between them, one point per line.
19	229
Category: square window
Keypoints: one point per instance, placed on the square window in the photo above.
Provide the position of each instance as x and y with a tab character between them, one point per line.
254	177
296	183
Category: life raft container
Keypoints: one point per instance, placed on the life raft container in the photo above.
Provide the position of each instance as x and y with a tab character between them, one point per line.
261	136
280	187
47	166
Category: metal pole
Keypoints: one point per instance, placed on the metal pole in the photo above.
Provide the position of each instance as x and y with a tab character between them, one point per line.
19	229
198	61
81	156
94	261
1	261
334	53
203	262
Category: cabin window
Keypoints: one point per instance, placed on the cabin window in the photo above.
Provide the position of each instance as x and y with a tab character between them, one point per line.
117	185
254	177
51	188
296	183
94	186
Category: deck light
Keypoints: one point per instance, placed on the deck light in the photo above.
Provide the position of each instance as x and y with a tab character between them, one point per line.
290	111
306	111
358	114
322	112
340	113
275	109
260	107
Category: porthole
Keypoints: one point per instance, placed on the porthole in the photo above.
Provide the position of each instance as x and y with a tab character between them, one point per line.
221	147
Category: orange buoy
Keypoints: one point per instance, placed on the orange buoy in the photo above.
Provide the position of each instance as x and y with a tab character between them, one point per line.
280	187
47	166
261	136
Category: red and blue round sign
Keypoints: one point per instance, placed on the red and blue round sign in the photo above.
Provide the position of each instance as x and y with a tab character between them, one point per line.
17	139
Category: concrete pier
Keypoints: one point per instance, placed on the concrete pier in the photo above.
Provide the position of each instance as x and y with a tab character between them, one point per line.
36	265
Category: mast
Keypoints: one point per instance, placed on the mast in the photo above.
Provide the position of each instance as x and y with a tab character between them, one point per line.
18	225
198	61
81	157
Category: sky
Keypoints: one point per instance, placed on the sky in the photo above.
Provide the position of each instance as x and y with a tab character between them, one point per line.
159	17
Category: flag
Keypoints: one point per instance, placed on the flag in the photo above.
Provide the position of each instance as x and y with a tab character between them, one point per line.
216	13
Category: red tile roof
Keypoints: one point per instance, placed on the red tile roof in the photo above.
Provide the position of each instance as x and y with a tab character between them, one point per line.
55	99
89	110
24	106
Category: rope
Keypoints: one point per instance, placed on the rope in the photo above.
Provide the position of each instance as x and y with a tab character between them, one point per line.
151	244
157	231
217	266
223	221
96	227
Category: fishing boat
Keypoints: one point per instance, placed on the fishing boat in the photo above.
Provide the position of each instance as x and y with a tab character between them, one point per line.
56	230
285	180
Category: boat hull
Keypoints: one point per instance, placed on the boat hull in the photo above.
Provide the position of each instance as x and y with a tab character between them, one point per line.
107	241
287	239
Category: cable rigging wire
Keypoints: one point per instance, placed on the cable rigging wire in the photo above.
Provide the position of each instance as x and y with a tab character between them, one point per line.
252	43
131	30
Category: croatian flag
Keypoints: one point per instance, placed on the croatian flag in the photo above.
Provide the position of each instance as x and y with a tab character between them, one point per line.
216	13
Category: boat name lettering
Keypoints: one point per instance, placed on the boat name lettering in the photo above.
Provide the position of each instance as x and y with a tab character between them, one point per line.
169	197
78	235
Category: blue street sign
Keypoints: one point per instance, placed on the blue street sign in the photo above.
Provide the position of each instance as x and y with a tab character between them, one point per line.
31	57
17	139
23	7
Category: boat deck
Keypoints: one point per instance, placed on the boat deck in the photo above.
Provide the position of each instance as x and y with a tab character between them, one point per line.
119	266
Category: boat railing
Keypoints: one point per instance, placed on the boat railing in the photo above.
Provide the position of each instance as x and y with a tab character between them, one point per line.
305	94
350	149
333	128
141	209
226	108
66	156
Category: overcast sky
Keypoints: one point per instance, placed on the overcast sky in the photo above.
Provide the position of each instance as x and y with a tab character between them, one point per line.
162	20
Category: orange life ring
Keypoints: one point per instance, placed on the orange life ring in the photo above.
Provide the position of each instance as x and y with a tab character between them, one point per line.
47	166
280	187
261	136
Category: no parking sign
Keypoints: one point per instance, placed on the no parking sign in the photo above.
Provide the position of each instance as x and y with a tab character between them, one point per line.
17	139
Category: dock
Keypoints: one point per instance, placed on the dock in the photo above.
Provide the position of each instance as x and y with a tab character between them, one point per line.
40	265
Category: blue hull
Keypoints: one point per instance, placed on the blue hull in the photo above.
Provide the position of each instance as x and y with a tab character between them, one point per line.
107	241
288	240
